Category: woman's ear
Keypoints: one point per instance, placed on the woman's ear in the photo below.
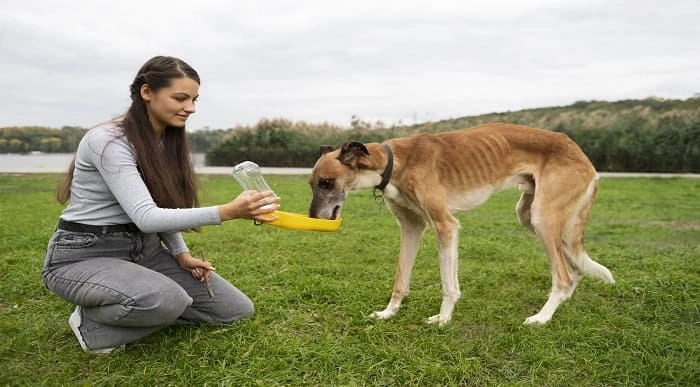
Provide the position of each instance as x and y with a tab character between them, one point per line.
146	92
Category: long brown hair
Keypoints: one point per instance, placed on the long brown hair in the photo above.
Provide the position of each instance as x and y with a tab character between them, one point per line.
164	163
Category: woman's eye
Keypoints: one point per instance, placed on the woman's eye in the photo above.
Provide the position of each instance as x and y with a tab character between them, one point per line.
183	98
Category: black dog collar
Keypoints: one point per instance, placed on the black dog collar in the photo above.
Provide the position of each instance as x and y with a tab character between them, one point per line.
386	175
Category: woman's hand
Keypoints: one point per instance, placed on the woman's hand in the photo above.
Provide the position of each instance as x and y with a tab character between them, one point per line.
251	205
200	269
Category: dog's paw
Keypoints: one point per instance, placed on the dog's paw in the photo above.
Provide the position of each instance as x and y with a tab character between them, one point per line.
382	315
437	320
536	320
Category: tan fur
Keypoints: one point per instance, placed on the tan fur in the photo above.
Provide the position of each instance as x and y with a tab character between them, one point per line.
436	175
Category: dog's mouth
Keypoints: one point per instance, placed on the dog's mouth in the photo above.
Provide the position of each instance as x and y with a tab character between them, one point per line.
335	214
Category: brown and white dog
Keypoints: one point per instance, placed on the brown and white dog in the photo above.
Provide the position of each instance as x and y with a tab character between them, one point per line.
425	178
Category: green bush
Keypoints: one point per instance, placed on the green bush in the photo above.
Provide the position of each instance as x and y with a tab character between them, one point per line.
634	146
282	143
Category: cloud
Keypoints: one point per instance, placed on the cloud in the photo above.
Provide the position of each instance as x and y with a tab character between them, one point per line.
326	61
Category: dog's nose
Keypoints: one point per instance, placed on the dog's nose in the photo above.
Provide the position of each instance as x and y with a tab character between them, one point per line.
313	213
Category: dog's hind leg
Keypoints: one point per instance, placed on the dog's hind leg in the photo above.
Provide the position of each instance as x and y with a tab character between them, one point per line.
412	229
574	252
522	209
561	281
548	217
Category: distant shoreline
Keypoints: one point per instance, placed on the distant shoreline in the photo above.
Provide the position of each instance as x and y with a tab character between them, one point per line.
198	170
59	162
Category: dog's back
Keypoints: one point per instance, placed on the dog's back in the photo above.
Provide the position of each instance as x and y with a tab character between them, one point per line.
489	157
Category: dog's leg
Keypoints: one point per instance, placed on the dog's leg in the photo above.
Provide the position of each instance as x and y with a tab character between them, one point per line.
447	239
561	280
549	211
574	252
412	228
557	265
522	209
559	216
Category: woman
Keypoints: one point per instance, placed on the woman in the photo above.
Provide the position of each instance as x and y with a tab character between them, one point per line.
117	252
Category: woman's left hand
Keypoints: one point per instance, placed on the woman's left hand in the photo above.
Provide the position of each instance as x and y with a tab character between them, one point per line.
200	269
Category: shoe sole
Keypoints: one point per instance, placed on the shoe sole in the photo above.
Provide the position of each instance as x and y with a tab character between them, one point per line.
74	321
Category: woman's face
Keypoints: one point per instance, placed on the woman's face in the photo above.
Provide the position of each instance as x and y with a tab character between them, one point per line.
172	105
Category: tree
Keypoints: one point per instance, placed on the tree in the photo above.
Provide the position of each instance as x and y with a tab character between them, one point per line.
50	144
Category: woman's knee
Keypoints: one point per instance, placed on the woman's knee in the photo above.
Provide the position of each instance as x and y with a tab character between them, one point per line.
238	306
167	304
246	309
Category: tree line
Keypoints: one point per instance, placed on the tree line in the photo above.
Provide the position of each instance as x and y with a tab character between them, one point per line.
648	135
26	139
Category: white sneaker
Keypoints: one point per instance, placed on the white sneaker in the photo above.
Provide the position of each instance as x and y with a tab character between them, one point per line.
75	321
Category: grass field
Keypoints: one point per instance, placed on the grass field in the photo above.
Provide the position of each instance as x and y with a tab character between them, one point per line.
314	291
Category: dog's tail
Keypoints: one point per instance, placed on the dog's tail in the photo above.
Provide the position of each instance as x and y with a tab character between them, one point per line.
596	270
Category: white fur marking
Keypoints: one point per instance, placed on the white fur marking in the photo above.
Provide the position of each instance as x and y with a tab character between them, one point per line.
469	200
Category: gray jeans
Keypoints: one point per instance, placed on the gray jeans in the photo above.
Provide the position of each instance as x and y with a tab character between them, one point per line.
129	286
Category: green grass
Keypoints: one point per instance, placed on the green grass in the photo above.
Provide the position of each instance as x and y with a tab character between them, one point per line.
314	291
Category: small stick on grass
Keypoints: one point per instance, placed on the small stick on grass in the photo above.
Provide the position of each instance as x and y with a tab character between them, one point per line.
206	280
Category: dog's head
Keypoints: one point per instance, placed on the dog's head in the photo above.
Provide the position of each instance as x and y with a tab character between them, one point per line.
333	177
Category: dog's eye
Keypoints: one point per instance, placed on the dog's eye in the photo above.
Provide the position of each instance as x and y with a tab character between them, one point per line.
326	183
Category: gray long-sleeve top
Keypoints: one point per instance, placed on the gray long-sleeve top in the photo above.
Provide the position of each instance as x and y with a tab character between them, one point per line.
107	189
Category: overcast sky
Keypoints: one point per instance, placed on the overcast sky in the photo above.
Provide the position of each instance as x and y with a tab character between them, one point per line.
71	62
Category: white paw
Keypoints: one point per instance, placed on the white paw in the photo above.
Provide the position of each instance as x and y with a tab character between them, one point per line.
432	320
536	320
382	315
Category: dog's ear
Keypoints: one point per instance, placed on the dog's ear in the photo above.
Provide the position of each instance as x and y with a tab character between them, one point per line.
325	149
350	151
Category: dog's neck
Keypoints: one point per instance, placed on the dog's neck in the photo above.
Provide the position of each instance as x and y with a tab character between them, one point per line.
376	167
388	169
373	169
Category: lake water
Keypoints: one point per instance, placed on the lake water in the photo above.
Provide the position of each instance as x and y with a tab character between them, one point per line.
59	162
51	162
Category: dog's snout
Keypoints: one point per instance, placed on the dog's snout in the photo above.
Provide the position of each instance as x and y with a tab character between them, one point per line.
313	213
323	213
328	182
323	208
315	209
336	213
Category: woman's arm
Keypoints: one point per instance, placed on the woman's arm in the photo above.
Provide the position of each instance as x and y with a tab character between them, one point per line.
117	166
115	161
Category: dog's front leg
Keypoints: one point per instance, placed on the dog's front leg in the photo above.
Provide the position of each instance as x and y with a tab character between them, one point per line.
447	246
411	233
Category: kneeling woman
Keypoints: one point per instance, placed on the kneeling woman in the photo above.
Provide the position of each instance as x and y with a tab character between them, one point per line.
117	252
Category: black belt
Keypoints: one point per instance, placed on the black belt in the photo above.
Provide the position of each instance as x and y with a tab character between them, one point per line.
79	227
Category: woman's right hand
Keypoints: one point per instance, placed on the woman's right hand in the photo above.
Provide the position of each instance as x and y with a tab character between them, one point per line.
250	205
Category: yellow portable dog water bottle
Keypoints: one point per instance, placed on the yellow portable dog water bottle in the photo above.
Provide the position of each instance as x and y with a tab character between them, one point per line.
249	176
